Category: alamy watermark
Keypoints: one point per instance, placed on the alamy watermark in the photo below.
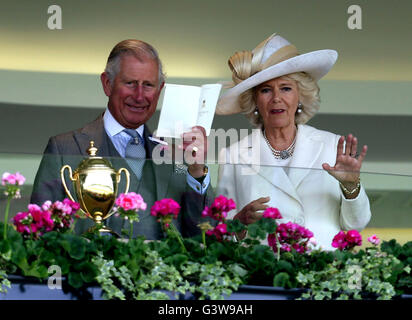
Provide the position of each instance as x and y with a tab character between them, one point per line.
242	143
355	18
55	279
55	21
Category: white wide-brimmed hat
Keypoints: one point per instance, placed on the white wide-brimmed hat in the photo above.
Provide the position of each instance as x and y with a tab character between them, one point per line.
278	58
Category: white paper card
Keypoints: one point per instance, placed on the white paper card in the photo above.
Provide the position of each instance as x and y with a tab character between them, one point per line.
187	106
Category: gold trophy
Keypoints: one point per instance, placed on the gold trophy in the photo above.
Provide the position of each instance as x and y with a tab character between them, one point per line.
95	184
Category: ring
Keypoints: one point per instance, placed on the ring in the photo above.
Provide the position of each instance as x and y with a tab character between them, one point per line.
356	156
194	150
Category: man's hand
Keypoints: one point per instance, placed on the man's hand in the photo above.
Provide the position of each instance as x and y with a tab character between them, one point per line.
195	147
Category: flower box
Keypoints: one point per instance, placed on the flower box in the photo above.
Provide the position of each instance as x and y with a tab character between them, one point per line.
27	288
213	267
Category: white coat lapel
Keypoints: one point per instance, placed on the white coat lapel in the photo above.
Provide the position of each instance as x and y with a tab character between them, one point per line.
263	164
307	151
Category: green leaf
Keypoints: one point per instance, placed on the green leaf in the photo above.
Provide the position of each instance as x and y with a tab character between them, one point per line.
63	263
340	255
235	226
5	247
19	257
319	296
302	278
48	256
37	271
88	271
75	247
281	280
251	242
217	249
238	270
285	265
176	260
391	247
255	231
288	256
75	280
268	225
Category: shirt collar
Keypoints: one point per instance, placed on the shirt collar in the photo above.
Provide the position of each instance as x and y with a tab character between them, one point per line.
113	127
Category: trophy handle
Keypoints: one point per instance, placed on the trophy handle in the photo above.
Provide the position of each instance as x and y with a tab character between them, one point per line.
64	182
126	172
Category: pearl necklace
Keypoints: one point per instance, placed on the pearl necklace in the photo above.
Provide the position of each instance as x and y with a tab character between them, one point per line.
281	154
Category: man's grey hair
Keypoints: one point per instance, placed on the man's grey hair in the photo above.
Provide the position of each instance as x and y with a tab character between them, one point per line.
140	49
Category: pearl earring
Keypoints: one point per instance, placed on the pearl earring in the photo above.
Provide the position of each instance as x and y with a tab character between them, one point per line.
256	112
299	109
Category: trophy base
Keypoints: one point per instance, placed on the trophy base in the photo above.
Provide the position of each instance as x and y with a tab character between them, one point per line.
102	230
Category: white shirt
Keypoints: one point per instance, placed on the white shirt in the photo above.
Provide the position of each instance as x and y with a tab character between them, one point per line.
120	139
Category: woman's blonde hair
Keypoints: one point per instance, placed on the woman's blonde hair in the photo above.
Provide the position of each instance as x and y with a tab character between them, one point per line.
246	63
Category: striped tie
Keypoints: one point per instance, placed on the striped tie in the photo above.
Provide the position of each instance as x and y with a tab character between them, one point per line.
135	152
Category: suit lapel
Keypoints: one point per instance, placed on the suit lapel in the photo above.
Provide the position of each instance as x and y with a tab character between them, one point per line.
95	131
307	151
263	163
162	173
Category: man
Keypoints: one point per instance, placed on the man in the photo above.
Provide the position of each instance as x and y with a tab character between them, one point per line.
132	81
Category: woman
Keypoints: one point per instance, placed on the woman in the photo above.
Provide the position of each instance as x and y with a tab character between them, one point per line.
310	175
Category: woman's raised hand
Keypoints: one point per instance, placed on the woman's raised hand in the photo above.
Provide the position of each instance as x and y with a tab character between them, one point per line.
348	162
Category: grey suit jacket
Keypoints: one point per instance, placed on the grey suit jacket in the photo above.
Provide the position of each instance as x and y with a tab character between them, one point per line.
71	148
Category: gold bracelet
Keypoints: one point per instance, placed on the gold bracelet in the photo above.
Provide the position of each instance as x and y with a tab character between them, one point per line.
350	192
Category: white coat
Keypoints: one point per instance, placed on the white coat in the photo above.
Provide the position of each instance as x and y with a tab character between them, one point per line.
308	195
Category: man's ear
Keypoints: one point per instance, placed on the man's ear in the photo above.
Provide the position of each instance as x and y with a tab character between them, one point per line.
107	85
161	87
160	90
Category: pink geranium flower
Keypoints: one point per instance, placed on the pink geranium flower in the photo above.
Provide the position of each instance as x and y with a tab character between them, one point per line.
62	213
127	206
272	213
339	241
12	191
221	228
219	231
131	201
12	183
347	240
354	237
374	239
13	179
289	236
57	216
272	240
165	210
165	207
219	208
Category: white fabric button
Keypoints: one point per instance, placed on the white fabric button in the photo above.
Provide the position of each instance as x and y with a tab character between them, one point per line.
300	220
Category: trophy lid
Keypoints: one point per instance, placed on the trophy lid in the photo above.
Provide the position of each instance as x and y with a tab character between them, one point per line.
93	161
